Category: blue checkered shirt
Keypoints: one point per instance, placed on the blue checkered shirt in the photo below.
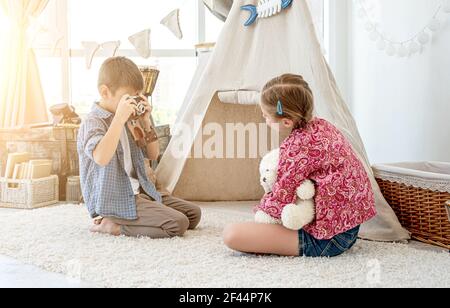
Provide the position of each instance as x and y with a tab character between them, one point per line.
107	190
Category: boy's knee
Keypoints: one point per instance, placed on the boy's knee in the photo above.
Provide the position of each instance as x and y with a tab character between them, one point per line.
195	217
179	226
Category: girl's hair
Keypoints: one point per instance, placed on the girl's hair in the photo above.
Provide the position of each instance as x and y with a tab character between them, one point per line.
289	96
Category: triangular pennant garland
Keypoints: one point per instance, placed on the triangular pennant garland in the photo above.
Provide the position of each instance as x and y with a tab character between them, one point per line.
141	41
91	48
172	22
111	48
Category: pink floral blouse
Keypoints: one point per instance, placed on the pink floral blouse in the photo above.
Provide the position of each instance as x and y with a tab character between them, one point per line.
344	196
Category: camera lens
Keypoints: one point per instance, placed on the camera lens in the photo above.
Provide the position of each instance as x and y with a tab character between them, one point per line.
141	109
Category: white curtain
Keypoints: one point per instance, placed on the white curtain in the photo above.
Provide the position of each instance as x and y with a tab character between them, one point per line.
22	99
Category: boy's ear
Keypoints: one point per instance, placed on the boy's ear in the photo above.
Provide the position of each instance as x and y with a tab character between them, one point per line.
104	91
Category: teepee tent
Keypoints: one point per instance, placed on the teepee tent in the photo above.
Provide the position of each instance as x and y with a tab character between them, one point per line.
244	59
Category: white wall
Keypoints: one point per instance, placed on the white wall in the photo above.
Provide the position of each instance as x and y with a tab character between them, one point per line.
402	106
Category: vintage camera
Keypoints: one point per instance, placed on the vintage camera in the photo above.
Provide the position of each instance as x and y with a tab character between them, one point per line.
141	107
142	135
64	114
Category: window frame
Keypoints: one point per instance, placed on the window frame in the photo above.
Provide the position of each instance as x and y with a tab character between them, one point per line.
65	53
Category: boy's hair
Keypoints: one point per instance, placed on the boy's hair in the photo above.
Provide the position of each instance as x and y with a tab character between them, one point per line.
120	72
289	96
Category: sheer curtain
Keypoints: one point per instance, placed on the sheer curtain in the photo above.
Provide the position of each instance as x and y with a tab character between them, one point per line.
22	99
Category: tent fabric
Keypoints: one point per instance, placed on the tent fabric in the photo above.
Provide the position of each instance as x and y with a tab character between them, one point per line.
244	59
240	97
219	8
226	177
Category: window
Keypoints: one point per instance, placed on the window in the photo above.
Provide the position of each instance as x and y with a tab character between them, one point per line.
174	80
64	74
66	23
174	58
106	20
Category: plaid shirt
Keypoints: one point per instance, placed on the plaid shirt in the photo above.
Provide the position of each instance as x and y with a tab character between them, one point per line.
107	190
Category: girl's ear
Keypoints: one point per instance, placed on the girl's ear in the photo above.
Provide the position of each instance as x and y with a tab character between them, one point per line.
288	123
104	91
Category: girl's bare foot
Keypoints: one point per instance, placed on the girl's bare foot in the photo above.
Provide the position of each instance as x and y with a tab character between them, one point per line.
106	227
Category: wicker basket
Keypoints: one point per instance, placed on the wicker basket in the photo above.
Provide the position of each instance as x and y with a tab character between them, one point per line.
73	189
29	194
419	193
448	210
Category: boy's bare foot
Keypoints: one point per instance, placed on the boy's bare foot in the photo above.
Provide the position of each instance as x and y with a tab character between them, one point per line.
98	220
106	227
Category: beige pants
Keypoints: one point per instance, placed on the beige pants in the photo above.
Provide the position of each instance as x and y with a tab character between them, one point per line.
170	219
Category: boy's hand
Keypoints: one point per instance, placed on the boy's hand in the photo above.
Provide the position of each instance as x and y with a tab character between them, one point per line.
125	109
148	113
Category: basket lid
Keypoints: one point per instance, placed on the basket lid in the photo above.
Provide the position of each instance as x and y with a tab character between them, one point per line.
427	175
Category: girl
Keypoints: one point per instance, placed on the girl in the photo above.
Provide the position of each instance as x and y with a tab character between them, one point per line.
314	150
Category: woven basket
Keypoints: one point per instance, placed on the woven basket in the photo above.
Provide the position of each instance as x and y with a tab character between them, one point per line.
29	194
448	210
73	189
419	193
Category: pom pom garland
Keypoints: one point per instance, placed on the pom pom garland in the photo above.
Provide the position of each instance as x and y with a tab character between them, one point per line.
408	47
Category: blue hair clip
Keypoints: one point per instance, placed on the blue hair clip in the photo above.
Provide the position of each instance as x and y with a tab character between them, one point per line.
280	108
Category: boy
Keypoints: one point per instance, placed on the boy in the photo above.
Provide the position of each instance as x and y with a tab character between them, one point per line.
114	181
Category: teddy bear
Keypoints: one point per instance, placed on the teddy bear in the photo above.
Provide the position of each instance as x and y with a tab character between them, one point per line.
294	216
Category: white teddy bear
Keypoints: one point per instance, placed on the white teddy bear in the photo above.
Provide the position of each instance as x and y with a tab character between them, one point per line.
294	216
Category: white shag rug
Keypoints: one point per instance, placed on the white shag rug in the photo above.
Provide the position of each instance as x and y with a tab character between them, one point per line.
57	240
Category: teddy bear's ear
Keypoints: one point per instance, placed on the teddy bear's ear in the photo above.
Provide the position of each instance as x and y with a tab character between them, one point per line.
273	155
276	153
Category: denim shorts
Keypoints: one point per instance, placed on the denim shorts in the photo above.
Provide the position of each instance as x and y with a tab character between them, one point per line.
314	248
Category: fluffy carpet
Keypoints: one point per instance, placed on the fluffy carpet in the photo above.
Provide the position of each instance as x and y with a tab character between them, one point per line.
57	240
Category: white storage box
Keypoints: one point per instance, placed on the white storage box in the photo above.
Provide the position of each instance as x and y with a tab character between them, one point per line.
29	194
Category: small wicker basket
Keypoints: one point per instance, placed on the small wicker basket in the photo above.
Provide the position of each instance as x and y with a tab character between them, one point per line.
73	189
419	193
29	194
